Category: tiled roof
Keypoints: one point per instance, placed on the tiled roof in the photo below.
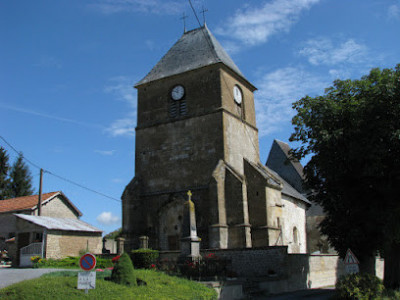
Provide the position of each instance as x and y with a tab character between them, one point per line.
59	223
195	49
23	203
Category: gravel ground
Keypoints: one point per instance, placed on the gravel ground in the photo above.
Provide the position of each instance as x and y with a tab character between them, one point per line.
10	276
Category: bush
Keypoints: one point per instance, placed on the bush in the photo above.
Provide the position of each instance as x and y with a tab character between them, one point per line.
359	286
67	262
123	272
144	258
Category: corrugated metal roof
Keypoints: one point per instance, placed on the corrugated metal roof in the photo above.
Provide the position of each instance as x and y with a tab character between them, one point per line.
195	49
63	224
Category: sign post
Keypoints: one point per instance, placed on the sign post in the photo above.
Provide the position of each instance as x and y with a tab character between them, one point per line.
87	279
351	263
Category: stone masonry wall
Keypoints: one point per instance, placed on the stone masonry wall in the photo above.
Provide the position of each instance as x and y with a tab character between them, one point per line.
294	215
62	244
254	262
57	208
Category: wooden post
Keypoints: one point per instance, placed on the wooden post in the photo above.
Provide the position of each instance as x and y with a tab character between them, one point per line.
39	205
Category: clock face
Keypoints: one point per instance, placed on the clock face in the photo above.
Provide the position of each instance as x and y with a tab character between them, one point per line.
237	94
177	92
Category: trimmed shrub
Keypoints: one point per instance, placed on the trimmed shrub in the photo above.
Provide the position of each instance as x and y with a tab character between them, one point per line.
144	258
123	272
359	286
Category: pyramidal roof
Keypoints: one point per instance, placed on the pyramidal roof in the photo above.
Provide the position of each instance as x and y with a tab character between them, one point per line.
195	49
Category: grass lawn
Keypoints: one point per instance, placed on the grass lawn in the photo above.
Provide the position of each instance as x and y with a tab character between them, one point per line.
62	285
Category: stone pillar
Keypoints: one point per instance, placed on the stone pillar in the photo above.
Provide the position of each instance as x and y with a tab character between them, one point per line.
190	242
104	250
144	242
120	245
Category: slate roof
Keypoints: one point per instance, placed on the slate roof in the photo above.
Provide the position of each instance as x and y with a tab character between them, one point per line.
296	164
274	179
30	202
195	49
64	224
288	189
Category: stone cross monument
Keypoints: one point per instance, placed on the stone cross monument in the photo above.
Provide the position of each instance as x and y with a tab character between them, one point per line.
190	242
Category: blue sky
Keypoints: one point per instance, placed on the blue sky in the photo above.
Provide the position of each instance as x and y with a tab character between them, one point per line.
67	69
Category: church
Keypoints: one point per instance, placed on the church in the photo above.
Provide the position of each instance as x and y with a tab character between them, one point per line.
196	130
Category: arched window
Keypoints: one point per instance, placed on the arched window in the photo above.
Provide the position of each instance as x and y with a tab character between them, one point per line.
295	235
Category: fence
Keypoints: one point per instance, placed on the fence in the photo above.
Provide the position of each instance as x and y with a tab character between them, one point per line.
27	252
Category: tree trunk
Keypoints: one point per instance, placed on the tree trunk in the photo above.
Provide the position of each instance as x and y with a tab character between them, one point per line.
367	264
392	266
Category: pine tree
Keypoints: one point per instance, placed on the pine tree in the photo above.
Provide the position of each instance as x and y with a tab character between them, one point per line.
4	169
20	179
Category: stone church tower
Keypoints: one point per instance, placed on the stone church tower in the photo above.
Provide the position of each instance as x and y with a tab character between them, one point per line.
196	130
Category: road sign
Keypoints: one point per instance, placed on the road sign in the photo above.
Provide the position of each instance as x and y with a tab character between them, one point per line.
351	263
86	281
350	258
87	262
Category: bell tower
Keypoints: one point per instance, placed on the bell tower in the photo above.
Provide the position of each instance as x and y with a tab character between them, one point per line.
195	112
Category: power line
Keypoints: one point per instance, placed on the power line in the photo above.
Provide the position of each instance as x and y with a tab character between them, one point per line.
58	176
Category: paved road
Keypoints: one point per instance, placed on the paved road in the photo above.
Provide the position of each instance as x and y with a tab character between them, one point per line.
312	294
10	276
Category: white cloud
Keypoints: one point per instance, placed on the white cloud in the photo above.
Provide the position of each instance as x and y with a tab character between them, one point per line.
322	51
105	152
123	127
394	11
142	6
252	26
277	91
121	88
108	218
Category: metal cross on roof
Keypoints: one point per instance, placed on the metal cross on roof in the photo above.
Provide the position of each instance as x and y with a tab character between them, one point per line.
184	17
203	11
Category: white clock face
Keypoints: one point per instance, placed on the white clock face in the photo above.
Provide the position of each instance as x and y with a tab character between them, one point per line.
178	92
237	94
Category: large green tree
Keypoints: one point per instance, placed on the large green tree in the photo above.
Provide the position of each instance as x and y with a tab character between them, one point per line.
352	134
20	179
4	180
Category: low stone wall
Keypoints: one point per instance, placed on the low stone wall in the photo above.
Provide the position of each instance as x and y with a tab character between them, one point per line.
255	262
273	270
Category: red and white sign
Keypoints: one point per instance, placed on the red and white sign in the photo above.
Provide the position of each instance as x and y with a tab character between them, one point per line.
87	262
350	258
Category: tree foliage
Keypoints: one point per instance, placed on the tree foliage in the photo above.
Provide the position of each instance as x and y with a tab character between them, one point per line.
15	181
114	234
20	179
353	134
4	169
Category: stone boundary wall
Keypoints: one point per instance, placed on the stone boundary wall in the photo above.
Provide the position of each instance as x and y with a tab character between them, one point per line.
255	262
276	271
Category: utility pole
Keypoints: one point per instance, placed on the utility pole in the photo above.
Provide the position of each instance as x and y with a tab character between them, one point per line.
39	206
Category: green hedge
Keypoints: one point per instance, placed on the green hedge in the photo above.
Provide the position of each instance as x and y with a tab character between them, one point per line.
144	258
69	262
359	286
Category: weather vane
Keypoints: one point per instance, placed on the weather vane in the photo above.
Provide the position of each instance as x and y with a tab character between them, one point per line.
184	17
